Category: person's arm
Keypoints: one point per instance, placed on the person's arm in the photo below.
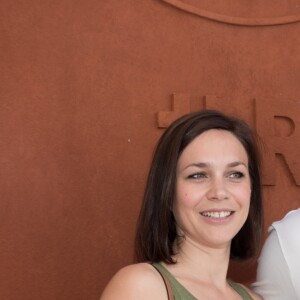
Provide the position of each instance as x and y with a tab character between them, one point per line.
135	282
273	280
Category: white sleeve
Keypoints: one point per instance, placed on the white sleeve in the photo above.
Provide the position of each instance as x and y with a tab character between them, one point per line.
273	280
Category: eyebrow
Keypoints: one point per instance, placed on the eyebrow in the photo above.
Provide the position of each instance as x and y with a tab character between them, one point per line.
237	163
206	165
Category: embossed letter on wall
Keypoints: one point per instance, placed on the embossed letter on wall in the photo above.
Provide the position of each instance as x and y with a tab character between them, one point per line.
285	142
277	123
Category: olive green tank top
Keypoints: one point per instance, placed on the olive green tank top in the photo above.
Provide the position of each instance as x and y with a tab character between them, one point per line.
181	293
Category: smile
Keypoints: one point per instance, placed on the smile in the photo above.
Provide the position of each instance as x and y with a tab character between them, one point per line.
217	215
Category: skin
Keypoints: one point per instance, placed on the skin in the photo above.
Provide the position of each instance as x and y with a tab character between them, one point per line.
212	177
212	180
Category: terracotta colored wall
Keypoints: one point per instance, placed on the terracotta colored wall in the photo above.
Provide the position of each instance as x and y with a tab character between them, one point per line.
81	85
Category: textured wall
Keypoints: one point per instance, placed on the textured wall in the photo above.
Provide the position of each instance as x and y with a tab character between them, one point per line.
82	83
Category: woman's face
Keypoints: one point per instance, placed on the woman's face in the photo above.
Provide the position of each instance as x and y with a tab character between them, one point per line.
213	189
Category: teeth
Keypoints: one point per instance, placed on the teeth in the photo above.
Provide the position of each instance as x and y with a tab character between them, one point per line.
216	215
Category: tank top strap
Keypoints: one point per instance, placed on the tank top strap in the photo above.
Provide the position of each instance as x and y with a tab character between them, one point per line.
179	291
240	290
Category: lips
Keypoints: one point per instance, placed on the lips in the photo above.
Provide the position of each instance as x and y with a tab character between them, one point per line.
217	214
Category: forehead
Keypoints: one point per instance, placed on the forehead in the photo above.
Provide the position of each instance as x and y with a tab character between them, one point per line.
214	145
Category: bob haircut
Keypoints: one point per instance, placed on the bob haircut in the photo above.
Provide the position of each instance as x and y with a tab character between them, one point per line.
156	227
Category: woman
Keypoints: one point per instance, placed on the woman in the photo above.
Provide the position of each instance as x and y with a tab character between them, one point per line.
202	206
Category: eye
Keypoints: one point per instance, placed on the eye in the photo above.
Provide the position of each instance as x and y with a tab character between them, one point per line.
236	175
198	175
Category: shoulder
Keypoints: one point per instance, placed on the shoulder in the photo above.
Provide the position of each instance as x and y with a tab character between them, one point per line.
291	219
288	238
278	263
272	249
138	281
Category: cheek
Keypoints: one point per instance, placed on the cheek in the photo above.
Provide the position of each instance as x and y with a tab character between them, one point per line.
185	198
244	195
182	200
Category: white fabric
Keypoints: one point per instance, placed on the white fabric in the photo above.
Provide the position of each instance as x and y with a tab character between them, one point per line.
278	273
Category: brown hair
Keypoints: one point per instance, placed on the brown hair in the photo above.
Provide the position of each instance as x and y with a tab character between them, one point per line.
156	227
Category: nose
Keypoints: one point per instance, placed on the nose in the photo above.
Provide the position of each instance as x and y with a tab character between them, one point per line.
217	190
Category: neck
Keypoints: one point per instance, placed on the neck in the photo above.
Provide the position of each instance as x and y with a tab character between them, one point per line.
208	264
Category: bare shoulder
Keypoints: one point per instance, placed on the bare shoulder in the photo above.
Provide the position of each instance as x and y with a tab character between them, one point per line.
252	294
138	281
